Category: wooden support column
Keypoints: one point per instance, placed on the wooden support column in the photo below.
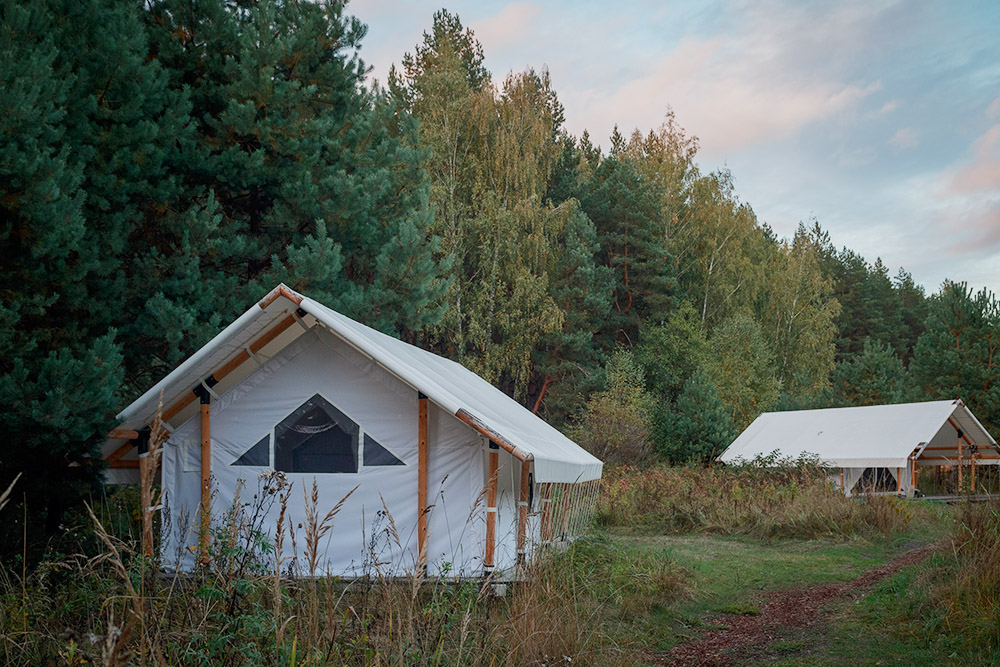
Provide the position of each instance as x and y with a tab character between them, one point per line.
147	468
972	466
842	488
959	461
913	476
422	480
202	392
491	508
522	512
546	512
899	481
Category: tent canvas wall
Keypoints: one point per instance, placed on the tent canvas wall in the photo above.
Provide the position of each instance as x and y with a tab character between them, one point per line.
886	440
295	387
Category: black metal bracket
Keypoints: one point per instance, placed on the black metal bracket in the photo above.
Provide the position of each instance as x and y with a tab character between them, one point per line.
142	442
202	393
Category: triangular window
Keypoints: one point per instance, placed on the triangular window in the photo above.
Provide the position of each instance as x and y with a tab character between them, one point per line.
317	437
377	455
258	455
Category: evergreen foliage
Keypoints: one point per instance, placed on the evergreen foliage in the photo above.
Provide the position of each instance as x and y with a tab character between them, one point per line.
874	377
697	427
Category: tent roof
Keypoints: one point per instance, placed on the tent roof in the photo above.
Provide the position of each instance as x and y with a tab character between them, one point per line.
858	437
450	385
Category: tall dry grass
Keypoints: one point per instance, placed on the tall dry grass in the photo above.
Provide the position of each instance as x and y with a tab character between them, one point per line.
789	499
262	599
967	588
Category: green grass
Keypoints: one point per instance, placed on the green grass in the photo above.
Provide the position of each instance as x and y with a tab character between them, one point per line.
726	574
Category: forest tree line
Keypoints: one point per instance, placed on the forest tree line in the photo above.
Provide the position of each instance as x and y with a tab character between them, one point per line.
164	164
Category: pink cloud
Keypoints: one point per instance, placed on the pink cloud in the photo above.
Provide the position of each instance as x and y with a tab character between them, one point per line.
514	23
983	172
993	110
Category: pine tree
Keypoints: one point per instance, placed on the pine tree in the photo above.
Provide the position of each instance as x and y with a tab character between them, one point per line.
60	365
874	377
697	427
303	175
625	209
958	355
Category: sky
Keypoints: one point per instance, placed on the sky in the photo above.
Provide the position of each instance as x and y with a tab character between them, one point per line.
878	119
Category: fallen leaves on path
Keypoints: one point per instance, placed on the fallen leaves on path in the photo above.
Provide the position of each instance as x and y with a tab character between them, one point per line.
746	638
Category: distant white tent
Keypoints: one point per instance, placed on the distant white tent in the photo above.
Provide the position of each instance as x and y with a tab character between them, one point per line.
865	444
472	480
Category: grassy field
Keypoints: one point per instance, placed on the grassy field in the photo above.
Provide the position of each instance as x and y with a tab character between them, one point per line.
677	555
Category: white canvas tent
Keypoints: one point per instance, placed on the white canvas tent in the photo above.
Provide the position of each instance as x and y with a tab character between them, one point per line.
471	479
891	439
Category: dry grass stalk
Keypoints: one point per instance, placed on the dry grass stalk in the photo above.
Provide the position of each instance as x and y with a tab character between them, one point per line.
5	496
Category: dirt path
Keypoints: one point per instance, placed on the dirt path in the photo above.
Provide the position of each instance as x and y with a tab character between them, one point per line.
747	638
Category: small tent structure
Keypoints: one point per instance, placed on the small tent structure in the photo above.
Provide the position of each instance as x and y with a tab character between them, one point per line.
468	479
872	445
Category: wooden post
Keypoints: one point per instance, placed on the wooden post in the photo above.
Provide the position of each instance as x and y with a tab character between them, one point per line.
206	473
491	508
899	482
959	461
972	466
422	480
146	472
913	476
842	488
547	513
522	513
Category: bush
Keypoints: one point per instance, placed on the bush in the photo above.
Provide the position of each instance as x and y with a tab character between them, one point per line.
776	499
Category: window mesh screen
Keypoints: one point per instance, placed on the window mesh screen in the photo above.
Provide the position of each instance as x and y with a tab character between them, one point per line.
317	437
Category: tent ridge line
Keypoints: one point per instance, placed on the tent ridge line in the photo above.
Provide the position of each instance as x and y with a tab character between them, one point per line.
494	437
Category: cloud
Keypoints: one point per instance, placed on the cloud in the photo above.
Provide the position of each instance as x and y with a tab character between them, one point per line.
512	25
993	110
753	74
905	137
887	108
982	174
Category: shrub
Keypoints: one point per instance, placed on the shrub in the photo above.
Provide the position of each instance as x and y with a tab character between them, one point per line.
765	499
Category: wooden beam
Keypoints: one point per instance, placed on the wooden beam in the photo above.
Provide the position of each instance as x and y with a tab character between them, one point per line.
493	436
124	464
206	477
522	513
961	433
422	480
232	365
123	434
121	451
491	508
952	458
899	481
278	291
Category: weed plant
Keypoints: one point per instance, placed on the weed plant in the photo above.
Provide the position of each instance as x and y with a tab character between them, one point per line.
766	498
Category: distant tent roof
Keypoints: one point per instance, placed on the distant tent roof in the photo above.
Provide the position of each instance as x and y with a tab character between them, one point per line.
448	384
861	437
